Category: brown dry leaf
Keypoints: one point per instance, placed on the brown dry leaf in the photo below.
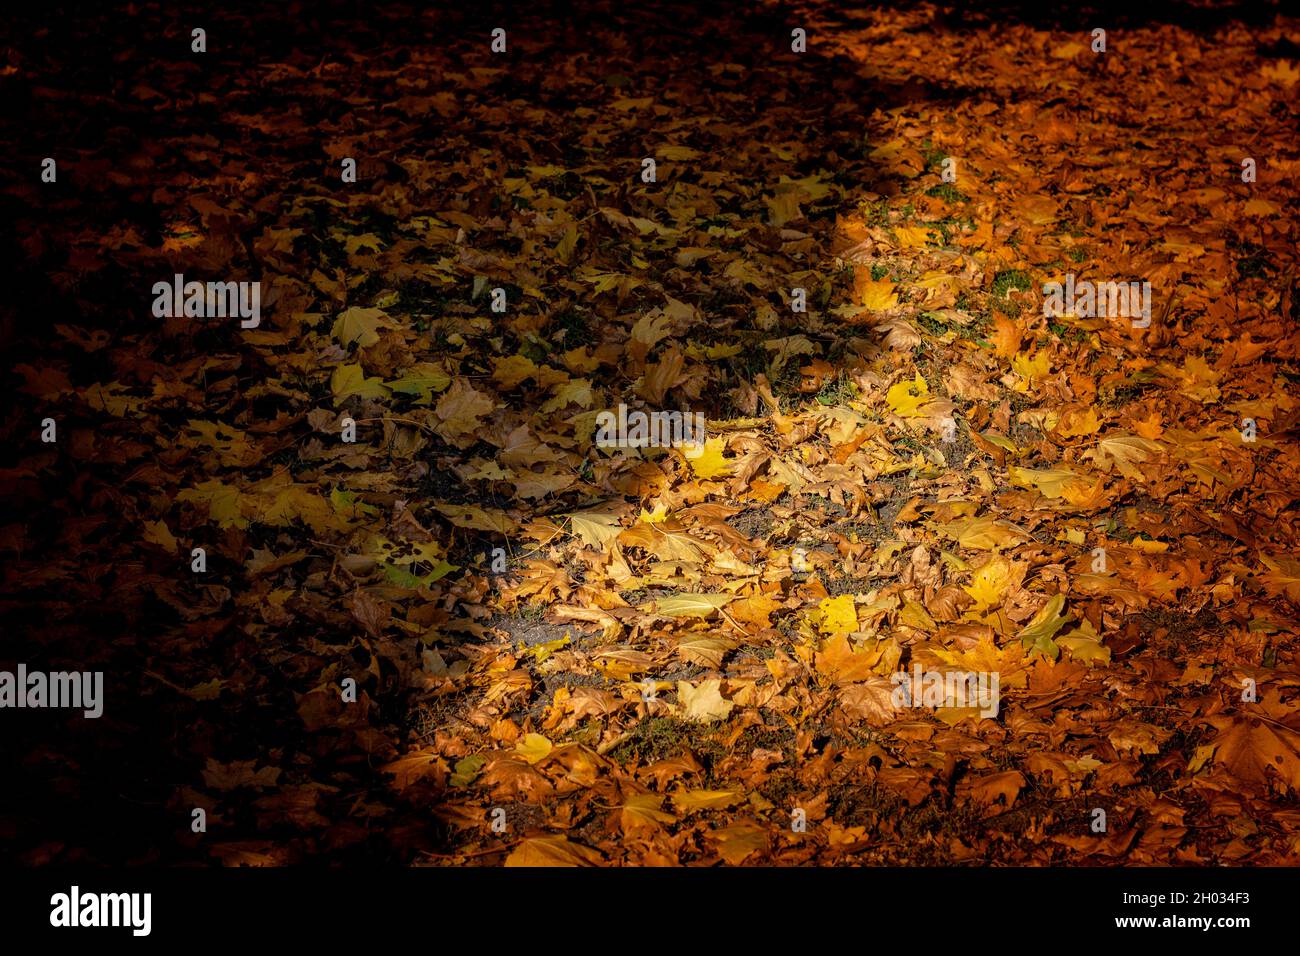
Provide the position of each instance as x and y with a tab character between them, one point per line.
1124	453
1250	748
706	650
413	767
689	801
984	534
552	850
994	787
871	701
644	812
666	541
738	842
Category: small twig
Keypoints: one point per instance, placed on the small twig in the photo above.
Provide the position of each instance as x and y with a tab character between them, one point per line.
404	421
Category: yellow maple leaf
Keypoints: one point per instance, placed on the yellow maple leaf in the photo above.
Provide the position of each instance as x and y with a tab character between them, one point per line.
1050	482
462	406
576	392
359	325
878	296
843	663
912	237
756	610
658	516
512	370
534	747
1031	369
280	506
366	241
707	462
157	532
567	244
1011	662
906	398
225	503
1077	422
1084	644
989	583
915	615
783	208
836	615
349	380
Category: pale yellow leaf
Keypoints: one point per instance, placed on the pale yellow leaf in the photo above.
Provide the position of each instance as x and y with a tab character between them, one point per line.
691	605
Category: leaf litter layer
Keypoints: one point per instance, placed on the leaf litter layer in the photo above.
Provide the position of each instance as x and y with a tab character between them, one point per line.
920	471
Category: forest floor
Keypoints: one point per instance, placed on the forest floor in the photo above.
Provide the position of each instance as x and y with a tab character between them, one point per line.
567	654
